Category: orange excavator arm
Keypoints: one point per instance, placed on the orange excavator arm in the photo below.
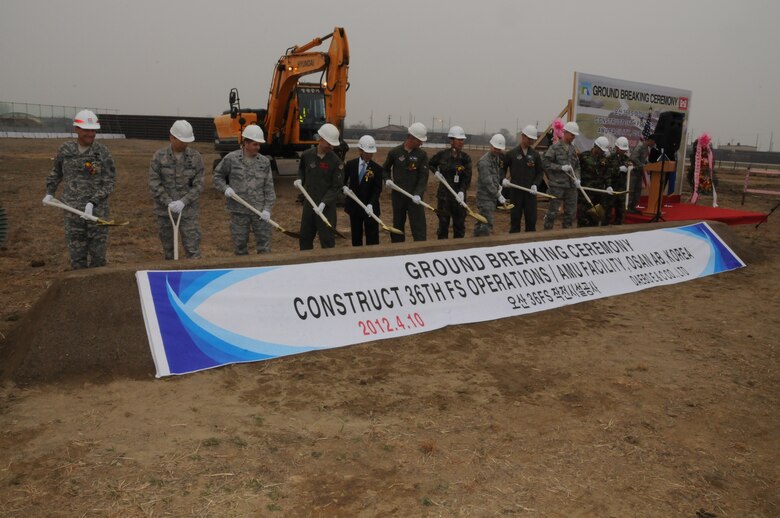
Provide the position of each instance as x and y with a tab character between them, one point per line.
282	112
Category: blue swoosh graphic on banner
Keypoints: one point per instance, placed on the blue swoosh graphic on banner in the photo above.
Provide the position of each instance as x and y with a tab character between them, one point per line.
193	343
721	258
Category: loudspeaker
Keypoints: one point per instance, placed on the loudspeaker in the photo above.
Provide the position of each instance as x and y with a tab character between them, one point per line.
668	133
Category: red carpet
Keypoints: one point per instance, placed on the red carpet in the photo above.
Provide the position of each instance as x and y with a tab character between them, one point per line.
674	210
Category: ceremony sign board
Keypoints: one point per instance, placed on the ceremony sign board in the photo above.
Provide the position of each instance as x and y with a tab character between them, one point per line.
199	319
605	106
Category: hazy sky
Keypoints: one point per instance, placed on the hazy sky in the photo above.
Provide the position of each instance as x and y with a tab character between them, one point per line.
487	64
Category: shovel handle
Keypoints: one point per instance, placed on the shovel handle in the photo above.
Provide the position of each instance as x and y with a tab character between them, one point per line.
397	188
604	191
579	186
54	202
314	206
243	202
351	194
175	225
446	184
628	183
526	189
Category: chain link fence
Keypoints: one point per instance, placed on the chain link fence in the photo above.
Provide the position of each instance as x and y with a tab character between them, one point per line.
29	120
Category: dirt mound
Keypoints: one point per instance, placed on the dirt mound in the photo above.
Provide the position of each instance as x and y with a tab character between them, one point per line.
89	325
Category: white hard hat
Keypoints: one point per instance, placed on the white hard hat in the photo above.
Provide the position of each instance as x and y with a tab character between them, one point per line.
457	132
622	143
572	127
418	131
603	143
86	119
182	130
498	141
367	144
329	133
254	132
530	132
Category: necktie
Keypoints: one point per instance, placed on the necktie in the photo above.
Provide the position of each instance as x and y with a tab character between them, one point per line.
362	171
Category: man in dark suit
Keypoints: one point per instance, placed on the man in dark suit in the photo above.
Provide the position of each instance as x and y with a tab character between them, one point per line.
364	177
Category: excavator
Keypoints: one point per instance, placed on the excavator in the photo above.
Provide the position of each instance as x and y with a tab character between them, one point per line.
295	109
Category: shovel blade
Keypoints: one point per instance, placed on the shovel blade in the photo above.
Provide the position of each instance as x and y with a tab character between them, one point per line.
112	223
392	230
596	212
478	217
289	233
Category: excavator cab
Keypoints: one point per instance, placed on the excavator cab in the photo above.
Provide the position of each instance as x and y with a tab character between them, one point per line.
311	111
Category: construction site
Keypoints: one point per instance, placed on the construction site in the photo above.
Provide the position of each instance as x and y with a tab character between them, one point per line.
656	403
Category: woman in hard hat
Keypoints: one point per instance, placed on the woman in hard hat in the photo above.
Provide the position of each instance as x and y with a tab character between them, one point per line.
250	177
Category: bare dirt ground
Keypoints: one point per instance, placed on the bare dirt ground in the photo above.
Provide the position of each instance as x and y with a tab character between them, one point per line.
659	403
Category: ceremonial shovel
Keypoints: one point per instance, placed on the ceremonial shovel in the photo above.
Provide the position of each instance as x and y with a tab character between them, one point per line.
391	230
395	187
54	202
507	183
175	225
478	217
273	223
596	211
298	185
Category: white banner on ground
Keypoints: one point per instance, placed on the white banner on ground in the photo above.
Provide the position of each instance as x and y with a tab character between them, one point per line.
198	319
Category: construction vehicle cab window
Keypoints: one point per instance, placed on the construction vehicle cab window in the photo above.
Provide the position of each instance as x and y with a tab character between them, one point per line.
295	109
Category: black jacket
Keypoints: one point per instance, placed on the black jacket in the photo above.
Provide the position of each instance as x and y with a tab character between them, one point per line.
368	190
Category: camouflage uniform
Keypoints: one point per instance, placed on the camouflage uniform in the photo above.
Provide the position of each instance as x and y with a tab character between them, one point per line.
639	157
617	181
490	170
455	167
323	179
89	178
171	179
594	174
408	170
525	170
560	184
253	181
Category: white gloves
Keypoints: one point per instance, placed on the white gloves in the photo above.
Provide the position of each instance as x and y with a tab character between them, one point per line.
501	199
369	210
533	189
176	206
505	182
577	183
609	190
566	168
460	197
229	192
265	215
88	210
623	169
320	208
416	199
47	198
297	183
388	182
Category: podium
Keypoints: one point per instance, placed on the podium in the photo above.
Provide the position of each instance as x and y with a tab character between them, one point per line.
658	172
